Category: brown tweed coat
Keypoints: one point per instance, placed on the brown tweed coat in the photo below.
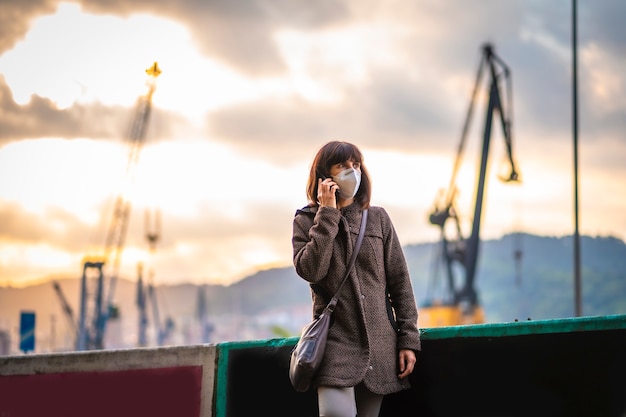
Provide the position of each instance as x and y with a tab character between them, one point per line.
362	343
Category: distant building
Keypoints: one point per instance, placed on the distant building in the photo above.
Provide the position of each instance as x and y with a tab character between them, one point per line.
5	343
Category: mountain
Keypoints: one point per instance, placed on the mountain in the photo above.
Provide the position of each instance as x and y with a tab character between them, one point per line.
540	285
546	287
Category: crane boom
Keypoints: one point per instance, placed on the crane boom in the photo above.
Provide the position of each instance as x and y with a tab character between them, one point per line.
92	330
468	292
67	309
116	236
461	305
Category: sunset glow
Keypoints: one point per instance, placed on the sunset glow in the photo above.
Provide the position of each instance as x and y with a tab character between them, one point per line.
236	122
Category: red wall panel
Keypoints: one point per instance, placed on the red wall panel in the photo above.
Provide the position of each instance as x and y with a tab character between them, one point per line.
155	392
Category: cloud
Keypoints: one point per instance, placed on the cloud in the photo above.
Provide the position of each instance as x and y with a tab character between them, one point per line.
424	96
408	92
56	227
243	232
16	17
42	118
390	112
215	243
238	33
602	22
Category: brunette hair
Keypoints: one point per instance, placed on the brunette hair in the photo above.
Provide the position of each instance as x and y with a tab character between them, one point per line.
333	153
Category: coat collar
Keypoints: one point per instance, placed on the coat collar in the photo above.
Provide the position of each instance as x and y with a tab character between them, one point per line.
349	211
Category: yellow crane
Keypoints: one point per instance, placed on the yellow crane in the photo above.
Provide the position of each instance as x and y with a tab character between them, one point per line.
96	307
460	303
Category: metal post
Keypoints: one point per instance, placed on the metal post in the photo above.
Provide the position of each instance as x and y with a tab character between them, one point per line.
81	334
577	280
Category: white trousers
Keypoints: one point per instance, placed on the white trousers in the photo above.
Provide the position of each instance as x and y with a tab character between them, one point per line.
348	402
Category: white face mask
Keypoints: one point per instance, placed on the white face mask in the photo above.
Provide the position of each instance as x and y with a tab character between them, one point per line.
348	181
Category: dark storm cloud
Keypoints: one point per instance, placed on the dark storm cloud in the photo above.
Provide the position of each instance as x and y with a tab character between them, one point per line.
40	117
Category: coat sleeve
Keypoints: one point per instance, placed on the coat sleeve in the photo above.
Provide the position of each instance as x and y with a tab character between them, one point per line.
400	288
312	239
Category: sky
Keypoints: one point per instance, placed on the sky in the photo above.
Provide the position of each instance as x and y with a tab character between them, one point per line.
250	90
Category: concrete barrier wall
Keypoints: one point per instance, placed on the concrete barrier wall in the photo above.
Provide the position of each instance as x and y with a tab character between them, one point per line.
571	367
254	375
568	367
171	381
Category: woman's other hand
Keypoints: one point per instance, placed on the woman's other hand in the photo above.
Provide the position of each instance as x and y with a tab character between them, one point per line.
407	362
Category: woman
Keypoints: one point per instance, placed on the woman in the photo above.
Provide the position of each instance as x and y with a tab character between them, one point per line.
371	349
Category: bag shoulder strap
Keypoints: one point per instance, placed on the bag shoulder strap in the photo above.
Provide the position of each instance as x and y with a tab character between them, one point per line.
355	252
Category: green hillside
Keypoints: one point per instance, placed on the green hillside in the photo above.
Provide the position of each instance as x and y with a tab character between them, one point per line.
541	285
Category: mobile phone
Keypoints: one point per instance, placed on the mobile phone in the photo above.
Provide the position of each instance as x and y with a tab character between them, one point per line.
323	177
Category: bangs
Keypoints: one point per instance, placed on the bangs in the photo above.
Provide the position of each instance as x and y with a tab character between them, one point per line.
345	152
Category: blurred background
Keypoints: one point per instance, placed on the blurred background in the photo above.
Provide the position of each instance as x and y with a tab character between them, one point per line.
153	154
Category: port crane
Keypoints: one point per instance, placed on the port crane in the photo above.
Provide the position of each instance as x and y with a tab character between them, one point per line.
146	292
146	295
67	309
97	305
460	303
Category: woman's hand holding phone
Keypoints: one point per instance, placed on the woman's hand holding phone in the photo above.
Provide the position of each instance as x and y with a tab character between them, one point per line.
326	189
